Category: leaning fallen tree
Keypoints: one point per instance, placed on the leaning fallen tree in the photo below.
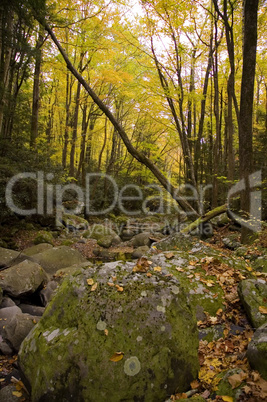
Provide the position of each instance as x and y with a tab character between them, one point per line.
139	156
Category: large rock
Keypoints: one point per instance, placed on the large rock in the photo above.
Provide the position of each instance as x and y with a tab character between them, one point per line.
44	236
10	257
260	264
141	239
21	279
16	329
38	248
253	295
74	222
257	351
133	337
57	258
109	240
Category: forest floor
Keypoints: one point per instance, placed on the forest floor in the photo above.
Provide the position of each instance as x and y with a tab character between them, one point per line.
215	357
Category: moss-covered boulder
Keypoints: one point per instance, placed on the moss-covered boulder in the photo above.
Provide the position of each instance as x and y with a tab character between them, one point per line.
253	295
257	351
22	279
111	334
58	257
44	237
38	248
260	264
74	222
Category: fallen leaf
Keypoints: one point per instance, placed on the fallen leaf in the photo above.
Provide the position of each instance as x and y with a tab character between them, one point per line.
246	389
227	398
149	274
90	281
106	332
169	255
117	357
205	394
263	310
213	320
93	288
17	394
180	396
119	288
157	269
236	379
179	269
195	384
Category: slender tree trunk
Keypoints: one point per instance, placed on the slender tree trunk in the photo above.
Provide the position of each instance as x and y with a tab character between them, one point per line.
216	151
36	89
74	130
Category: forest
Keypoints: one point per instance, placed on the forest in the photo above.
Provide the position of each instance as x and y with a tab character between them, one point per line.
168	76
127	118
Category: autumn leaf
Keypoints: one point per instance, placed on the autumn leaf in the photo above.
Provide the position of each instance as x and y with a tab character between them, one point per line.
106	332
263	310
142	265
236	379
179	269
117	357
93	288
157	269
149	274
169	255
90	281
227	398
194	384
17	394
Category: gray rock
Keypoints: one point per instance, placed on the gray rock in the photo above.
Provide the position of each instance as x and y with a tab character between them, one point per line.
5	348
109	240
141	239
32	310
23	278
6	394
10	257
127	234
6	315
253	294
231	243
257	351
74	222
39	248
7	302
260	264
44	236
148	324
57	258
16	330
139	251
48	292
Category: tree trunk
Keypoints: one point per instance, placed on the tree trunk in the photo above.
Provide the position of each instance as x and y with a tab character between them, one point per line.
74	131
36	89
246	103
